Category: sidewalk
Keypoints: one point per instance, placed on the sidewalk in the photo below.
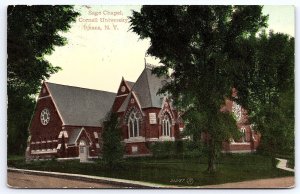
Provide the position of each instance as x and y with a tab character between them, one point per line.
282	165
95	179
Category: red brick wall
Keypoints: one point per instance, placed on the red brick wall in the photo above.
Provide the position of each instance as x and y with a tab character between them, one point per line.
40	132
93	150
121	96
118	103
142	148
250	144
148	130
152	130
127	89
237	147
132	105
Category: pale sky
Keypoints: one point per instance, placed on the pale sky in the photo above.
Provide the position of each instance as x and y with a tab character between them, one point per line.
98	59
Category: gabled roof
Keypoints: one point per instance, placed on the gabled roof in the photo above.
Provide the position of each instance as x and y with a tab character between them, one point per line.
146	88
75	135
125	103
80	106
130	84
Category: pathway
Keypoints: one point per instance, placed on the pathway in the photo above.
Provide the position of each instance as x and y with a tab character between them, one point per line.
282	165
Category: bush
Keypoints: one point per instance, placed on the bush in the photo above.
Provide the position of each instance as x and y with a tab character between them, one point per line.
291	163
177	149
163	149
192	149
112	147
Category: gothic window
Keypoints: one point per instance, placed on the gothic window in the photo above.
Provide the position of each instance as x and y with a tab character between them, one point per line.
133	124
243	131
166	126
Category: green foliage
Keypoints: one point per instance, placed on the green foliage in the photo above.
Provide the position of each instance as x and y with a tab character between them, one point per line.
199	44
291	163
269	91
163	149
19	114
232	168
113	149
32	32
177	149
193	149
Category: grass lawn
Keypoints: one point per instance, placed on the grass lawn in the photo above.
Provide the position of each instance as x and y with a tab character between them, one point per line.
188	172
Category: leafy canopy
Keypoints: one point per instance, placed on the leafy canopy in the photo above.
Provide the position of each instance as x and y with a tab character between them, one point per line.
269	90
200	45
32	32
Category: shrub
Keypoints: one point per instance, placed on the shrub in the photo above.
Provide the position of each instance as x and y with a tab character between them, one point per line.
163	149
112	148
177	149
192	149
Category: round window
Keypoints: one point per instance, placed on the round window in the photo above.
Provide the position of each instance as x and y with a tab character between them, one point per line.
123	89
45	116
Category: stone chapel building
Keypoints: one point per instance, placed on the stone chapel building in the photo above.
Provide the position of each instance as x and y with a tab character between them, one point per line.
67	120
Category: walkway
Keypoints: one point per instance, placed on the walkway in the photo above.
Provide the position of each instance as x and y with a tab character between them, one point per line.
21	180
282	165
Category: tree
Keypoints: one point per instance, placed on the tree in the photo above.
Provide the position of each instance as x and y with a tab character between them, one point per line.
269	91
112	147
198	44
32	33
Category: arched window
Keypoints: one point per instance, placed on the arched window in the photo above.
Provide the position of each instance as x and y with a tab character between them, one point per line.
243	131
166	126
133	124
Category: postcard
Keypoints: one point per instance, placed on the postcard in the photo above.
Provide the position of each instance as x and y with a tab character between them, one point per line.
150	96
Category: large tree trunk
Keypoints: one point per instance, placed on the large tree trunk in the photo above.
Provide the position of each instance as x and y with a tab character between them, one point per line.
211	156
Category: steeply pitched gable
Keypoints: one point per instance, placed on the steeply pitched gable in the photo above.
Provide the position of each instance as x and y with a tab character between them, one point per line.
146	88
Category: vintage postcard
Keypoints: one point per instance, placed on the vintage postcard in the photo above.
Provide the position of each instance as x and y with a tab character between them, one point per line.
160	96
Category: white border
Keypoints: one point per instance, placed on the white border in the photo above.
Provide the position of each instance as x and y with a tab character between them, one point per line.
3	99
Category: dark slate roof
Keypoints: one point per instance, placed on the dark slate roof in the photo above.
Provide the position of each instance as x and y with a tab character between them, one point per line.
130	84
81	106
125	103
146	88
73	136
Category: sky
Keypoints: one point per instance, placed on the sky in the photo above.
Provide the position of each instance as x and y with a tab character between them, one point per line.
100	51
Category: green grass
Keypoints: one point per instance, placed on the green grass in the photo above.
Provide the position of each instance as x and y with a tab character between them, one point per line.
15	157
231	168
290	159
291	163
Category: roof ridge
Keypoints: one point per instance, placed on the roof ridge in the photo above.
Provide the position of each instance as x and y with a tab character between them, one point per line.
79	87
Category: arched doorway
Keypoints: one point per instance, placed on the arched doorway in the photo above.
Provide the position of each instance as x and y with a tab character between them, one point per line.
83	151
